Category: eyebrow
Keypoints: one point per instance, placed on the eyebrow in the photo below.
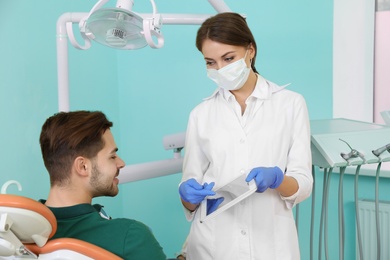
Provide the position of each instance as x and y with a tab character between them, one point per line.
115	150
227	53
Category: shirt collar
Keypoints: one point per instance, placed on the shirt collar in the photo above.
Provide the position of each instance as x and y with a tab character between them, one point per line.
73	211
263	89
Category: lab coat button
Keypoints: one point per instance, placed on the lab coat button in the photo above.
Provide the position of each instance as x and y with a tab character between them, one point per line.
243	232
242	140
242	171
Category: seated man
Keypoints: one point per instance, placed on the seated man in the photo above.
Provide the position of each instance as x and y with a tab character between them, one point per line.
80	154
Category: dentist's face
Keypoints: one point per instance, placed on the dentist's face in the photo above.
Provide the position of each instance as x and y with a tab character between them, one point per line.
105	168
218	55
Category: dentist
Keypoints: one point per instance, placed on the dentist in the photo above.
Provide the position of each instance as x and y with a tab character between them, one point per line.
251	126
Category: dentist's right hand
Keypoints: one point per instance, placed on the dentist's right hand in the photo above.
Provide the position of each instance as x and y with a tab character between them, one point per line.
193	192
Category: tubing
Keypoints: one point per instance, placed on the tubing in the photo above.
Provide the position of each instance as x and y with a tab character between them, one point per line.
313	193
359	235
322	214
326	215
378	239
341	215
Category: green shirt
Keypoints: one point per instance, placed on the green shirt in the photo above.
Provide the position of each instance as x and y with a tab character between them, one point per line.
127	238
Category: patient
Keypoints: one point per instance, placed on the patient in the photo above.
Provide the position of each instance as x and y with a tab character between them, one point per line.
80	154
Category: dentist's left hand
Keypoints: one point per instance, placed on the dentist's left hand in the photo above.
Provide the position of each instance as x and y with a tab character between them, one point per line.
193	192
266	177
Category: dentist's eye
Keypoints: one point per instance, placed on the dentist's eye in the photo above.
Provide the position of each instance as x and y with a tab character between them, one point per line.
228	59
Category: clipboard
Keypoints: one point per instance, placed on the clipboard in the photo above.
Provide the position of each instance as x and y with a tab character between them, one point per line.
233	192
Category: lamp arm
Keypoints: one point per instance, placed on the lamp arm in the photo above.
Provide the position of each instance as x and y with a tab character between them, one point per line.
220	6
62	57
143	171
178	19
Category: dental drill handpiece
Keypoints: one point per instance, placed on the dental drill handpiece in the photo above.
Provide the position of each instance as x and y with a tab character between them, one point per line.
352	154
380	150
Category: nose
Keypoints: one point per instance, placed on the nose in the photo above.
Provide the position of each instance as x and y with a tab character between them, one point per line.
218	65
120	163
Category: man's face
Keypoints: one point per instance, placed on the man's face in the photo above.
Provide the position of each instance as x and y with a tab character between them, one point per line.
105	168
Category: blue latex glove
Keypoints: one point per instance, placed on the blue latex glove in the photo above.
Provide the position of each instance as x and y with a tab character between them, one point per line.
193	192
266	177
212	204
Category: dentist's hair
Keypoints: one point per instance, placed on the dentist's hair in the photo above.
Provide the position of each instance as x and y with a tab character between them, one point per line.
227	28
66	135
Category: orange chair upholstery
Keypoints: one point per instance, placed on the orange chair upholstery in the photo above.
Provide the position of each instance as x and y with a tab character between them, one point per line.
74	245
30	224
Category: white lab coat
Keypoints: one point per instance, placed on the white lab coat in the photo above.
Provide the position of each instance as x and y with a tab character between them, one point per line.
222	144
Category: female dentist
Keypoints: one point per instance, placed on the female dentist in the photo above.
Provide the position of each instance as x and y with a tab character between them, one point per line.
250	126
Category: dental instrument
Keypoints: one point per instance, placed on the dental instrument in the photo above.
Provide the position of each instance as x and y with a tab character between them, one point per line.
328	138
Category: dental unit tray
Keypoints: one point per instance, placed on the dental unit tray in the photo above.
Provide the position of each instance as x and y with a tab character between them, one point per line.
332	140
233	192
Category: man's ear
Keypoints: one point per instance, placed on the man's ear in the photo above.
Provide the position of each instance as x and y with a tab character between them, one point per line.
82	165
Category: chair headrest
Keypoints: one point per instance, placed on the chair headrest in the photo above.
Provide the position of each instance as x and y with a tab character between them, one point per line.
31	221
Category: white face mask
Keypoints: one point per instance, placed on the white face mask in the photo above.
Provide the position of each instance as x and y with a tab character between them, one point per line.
232	76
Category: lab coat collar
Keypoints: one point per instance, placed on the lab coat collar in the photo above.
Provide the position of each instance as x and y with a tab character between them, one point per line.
263	90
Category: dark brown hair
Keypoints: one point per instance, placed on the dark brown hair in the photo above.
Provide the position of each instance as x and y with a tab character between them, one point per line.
66	135
227	28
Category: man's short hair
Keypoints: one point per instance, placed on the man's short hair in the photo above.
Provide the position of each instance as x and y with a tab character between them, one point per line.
66	135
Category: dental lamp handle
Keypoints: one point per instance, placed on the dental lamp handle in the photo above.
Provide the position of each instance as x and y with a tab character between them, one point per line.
152	27
98	5
82	23
72	38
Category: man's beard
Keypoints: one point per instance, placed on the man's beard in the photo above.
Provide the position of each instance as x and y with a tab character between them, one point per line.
102	186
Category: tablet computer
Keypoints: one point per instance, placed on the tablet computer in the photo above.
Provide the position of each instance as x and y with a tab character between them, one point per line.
232	193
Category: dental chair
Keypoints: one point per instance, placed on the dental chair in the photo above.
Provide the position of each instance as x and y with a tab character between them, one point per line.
27	225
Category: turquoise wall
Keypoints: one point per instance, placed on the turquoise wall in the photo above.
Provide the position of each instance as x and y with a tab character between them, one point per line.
28	86
149	93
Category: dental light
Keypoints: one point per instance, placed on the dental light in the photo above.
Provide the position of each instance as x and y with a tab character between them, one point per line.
120	27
